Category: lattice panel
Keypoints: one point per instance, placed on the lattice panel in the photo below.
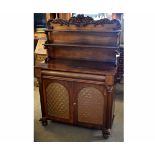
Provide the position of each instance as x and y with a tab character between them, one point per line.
57	100
90	106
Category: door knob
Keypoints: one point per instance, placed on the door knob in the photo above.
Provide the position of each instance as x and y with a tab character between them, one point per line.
74	103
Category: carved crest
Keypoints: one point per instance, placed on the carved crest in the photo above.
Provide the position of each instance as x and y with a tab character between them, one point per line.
80	20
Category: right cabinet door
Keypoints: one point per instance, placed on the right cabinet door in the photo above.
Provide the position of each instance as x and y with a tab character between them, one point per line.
90	104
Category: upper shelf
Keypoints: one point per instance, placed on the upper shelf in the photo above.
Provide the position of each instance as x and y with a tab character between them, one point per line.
80	45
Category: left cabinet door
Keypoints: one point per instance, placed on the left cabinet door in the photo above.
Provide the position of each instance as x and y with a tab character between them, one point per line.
57	100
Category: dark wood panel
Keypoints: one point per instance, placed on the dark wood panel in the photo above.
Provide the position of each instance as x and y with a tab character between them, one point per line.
108	39
95	54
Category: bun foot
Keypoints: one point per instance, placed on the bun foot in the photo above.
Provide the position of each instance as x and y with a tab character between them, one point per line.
44	121
106	133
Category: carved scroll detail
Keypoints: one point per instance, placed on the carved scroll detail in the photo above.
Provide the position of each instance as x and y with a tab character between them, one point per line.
109	89
80	20
58	21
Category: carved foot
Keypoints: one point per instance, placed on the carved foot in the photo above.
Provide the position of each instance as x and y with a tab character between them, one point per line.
106	133
44	121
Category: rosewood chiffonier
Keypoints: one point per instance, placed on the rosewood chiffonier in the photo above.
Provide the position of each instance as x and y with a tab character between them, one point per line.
77	79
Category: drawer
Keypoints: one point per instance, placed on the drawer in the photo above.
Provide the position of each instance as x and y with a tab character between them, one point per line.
73	76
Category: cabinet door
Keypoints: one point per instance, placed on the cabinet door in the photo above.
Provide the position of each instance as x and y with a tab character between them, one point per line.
57	100
90	104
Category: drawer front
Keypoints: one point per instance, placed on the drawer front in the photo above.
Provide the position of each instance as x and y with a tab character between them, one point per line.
70	76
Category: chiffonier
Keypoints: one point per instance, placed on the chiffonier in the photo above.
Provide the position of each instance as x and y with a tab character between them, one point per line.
77	79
